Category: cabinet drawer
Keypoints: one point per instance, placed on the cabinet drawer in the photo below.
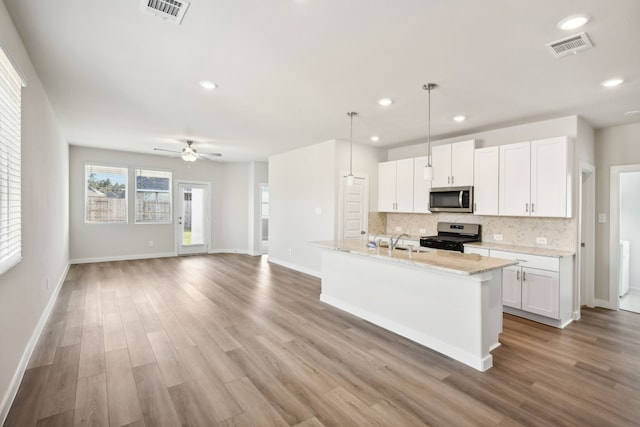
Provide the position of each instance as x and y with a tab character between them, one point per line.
527	260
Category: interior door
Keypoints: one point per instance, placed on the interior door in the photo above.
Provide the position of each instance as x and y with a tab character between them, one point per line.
192	225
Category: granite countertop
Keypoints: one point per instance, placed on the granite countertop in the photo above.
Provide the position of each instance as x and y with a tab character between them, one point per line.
531	250
446	261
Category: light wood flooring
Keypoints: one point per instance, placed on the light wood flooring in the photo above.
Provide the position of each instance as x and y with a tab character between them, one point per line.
231	340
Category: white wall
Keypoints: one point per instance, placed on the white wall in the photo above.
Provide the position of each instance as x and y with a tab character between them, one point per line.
615	146
302	181
563	126
24	297
95	242
630	223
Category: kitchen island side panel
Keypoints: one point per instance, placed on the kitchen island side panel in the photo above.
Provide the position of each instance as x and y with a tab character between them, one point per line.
457	315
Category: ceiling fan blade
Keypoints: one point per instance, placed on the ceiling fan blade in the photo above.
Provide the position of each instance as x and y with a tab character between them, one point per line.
168	151
210	154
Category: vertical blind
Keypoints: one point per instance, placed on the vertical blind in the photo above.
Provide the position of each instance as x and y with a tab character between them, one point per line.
10	164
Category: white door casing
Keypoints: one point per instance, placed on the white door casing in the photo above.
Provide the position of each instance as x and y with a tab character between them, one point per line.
192	217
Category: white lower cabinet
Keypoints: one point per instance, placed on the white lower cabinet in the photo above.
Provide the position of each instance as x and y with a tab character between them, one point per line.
539	288
532	290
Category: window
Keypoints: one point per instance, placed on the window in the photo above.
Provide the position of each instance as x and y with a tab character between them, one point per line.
10	164
106	194
153	196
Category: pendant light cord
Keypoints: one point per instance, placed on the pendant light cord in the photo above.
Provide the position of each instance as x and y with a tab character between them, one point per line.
351	114
428	87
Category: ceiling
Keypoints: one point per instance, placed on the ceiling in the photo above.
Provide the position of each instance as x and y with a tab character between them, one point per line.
288	71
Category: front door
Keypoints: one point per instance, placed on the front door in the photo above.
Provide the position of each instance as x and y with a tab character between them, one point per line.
192	225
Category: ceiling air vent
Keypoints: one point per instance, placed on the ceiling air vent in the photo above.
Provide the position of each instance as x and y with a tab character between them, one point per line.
170	10
573	44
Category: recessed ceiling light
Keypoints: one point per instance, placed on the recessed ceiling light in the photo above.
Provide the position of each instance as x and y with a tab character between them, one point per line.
385	102
612	82
572	22
632	113
375	138
459	118
208	85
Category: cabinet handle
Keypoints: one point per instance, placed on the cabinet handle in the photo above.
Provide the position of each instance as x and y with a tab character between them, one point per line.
518	275
532	207
526	207
524	276
448	180
452	179
475	206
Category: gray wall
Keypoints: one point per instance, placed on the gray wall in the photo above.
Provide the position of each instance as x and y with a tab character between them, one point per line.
300	181
615	146
24	296
230	213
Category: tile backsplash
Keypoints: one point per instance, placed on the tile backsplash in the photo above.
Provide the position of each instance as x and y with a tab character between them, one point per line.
559	232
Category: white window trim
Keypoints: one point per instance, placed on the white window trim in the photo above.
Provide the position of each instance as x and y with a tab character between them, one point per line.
126	199
170	192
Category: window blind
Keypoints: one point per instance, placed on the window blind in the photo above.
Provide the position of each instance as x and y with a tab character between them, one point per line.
10	164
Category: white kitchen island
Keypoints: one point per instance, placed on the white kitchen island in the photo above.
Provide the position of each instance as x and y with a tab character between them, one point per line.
447	301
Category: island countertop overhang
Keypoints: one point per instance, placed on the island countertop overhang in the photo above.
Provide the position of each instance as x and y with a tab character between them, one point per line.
439	260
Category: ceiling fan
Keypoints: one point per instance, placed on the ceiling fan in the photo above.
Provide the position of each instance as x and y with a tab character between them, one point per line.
190	154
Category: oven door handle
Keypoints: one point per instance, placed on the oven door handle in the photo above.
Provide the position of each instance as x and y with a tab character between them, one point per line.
460	198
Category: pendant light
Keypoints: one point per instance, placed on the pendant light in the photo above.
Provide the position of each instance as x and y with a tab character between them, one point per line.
428	169
350	177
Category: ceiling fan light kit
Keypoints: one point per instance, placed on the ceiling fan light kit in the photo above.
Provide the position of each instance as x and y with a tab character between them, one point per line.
189	154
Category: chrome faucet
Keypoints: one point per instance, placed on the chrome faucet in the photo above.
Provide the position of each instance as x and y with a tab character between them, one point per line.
393	245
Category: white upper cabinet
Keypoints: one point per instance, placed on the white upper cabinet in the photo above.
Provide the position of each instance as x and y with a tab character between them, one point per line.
485	180
395	186
535	178
453	164
551	177
421	187
515	179
387	186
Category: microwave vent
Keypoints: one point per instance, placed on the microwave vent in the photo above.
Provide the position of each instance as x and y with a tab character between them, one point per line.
569	45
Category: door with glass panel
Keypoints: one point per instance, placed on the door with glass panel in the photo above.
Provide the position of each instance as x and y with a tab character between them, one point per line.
192	224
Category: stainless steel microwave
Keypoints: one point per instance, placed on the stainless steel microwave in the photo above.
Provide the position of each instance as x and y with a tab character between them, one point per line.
451	199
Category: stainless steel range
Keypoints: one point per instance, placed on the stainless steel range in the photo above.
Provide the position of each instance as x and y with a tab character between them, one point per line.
452	236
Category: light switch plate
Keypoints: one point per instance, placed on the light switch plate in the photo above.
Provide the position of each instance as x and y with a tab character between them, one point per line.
541	240
497	237
398	228
602	218
318	211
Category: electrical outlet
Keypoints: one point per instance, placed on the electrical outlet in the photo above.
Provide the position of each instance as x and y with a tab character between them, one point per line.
497	237
48	284
423	230
541	240
150	243
289	251
318	211
602	218
398	228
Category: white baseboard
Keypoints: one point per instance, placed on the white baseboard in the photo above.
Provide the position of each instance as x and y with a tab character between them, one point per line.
123	257
296	267
231	251
12	391
603	303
